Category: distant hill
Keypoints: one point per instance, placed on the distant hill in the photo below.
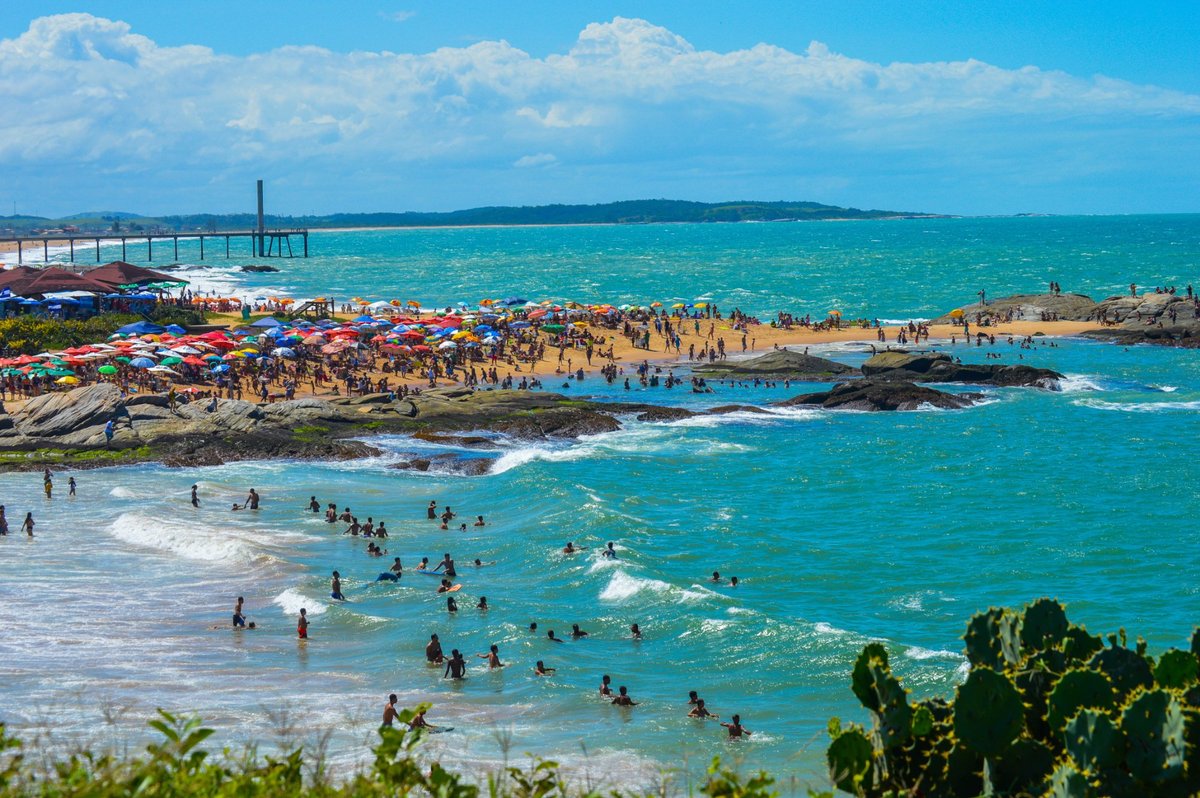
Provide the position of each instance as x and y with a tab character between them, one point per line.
625	212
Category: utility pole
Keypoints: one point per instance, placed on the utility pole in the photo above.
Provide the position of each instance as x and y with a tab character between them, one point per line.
261	229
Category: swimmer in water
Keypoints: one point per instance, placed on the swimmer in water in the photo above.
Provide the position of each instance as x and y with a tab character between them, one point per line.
195	498
335	588
448	564
736	729
482	605
432	511
716	577
493	657
609	551
331	514
541	670
571	548
479	520
314	506
623	699
699	711
423	564
433	650
451	604
550	636
636	631
605	689
576	632
733	581
456	666
389	709
693	697
445	586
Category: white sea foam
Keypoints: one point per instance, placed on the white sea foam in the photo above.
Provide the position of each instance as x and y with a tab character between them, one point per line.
622	587
122	492
191	541
292	601
1075	383
916	652
1139	407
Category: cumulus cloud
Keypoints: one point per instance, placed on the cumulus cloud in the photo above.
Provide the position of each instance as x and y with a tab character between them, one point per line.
631	102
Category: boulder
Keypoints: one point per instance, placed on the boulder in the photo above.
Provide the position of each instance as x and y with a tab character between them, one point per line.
1165	319
1028	307
780	364
663	413
446	463
57	414
940	367
872	395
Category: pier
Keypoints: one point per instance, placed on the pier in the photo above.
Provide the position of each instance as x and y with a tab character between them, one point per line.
263	243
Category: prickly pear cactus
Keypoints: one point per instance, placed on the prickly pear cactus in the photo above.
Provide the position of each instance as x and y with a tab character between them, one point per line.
1154	729
1126	669
983	638
862	680
1069	783
1178	669
850	757
1044	625
988	713
1077	690
1023	769
1094	743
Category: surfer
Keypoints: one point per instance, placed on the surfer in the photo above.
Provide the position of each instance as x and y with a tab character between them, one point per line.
418	721
251	502
239	619
445	586
492	657
335	588
456	666
314	506
389	709
541	670
605	689
699	711
735	728
433	650
302	624
195	498
623	699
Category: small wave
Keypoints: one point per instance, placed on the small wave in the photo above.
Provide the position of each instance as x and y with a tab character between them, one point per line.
1076	383
292	601
121	492
916	652
622	587
190	541
1140	407
1166	388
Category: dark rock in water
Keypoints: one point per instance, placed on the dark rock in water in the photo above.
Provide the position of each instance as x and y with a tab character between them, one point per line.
561	423
781	364
1025	307
446	463
262	269
939	367
723	409
664	413
872	395
467	441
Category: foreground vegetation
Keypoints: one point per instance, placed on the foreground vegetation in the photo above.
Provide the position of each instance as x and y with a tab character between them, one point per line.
1047	709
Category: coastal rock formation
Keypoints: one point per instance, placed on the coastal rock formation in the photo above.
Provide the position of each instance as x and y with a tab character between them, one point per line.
940	367
262	269
445	463
780	364
1169	319
873	395
1031	307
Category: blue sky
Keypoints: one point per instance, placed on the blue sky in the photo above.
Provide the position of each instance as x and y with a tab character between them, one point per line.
947	107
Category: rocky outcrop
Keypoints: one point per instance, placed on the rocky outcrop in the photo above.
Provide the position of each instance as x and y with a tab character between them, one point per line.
1168	319
261	269
871	395
1030	307
940	367
444	463
781	364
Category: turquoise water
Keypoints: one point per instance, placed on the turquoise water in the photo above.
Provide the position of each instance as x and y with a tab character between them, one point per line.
842	527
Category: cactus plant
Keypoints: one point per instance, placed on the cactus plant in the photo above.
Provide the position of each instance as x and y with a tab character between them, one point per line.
1154	730
1022	769
988	714
1093	741
1124	668
1043	625
1078	690
1069	783
862	680
849	757
1177	668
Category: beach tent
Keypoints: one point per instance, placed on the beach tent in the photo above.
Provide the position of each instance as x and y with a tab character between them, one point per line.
141	328
119	273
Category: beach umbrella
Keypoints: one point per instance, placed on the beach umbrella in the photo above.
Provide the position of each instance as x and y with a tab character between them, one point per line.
221	369
835	313
67	380
957	313
656	304
283	351
552	327
125	360
185	350
192	360
170	361
107	369
141	363
447	345
163	370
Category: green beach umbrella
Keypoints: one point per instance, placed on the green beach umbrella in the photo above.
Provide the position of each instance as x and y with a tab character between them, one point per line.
123	359
107	369
170	361
60	372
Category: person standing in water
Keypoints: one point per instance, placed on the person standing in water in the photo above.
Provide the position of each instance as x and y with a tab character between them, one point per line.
302	624
239	619
623	699
3	521
389	711
735	728
492	657
314	506
195	498
252	500
71	486
433	650
456	666
431	511
27	527
335	588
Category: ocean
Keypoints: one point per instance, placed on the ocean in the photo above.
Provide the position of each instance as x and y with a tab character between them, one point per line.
842	528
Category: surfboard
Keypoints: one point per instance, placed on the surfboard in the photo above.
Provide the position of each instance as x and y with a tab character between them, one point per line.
439	730
453	589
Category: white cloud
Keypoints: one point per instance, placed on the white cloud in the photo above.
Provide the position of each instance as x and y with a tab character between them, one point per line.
540	159
629	97
398	16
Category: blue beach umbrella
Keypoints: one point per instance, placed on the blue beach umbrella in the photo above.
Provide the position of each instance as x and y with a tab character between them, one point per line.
142	363
221	369
267	322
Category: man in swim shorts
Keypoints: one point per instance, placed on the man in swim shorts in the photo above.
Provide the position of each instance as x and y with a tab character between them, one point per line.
433	650
314	505
239	619
448	564
335	591
735	728
456	666
302	624
251	502
389	711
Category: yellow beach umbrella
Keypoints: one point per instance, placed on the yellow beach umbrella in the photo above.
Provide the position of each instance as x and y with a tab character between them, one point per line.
656	304
835	313
67	381
956	313
678	306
